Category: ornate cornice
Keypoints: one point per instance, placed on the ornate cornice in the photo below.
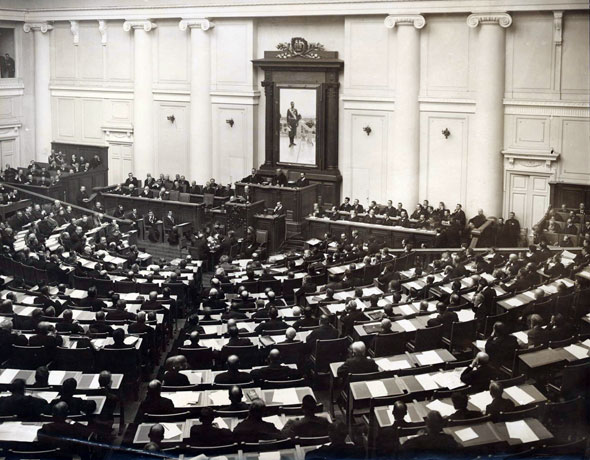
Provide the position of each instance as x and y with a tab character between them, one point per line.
530	159
42	27
75	29
102	28
504	20
146	25
416	20
198	23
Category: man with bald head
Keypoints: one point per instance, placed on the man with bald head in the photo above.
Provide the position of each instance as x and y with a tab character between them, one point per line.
140	327
154	402
479	373
275	370
350	317
156	437
58	432
235	395
358	363
385	326
152	303
68	325
388	438
233	373
173	376
193	341
234	337
324	332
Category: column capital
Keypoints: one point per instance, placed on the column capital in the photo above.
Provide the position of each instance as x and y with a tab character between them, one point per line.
199	23
102	28
146	25
504	20
42	27
75	29
416	20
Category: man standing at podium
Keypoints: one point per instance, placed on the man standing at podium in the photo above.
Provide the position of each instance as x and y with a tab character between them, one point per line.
293	118
278	210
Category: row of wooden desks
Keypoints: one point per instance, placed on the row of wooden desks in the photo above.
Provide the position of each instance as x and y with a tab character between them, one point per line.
218	398
51	395
393	236
527	297
537	360
86	382
520	395
206	377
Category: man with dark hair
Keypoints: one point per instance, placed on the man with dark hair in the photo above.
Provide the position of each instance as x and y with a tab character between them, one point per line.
76	405
324	332
388	438
307	321
253	428
99	326
156	437
460	402
310	425
272	324
68	325
501	346
154	402
234	338
444	317
206	434
173	377
338	447
498	404
91	301
434	440
21	405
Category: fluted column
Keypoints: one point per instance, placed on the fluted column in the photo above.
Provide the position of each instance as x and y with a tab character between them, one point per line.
43	132
404	161
201	142
484	168
143	104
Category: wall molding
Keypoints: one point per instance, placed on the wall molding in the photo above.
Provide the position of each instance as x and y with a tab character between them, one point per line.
10	131
547	108
382	104
118	134
91	92
529	158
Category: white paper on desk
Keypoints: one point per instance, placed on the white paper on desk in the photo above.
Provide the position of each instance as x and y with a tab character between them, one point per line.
8	375
130	340
522	336
426	381
273	455
285	396
586	343
450	380
407	309
99	343
211	343
210	329
28	300
219	397
171	430
406	325
275	420
529	294
466	434
18	431
578	351
193	377
376	388
56	377
220	423
568	283
514	302
94	382
481	400
429	357
465	314
520	430
481	344
444	408
519	395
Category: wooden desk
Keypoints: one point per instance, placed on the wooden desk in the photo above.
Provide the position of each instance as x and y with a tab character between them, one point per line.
392	236
239	216
527	297
10	208
537	360
276	229
298	200
85	381
183	212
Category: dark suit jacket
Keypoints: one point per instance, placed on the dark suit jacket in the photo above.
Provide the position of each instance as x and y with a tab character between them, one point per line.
158	405
275	372
499	405
357	365
175	379
321	333
228	377
479	377
207	435
251	430
501	349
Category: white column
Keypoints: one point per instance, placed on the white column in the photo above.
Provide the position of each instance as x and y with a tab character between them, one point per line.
143	103
201	141
403	162
485	162
43	132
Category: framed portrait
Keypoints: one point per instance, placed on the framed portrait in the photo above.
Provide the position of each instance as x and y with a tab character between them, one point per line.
298	126
7	53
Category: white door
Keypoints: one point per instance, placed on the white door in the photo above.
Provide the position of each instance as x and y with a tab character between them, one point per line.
120	162
528	197
8	154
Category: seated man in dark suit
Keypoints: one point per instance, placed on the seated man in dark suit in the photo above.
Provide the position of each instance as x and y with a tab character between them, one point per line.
324	332
253	428
358	363
91	301
154	402
501	346
308	319
434	440
76	406
173	377
460	402
233	373
120	313
193	341
156	437
498	404
206	434
310	425
119	340
275	370
388	438
68	325
99	326
234	312
152	302
273	324
235	398
559	328
479	373
140	327
338	449
352	315
46	336
234	337
59	430
444	317
20	405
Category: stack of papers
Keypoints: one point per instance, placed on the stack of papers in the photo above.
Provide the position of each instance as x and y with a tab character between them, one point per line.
406	325
285	396
219	398
481	400
429	357
466	434
444	408
426	381
578	351
519	395
450	380
377	388
171	430
520	430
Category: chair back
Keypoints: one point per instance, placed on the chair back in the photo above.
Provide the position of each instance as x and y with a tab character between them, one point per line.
291	353
289	285
531	412
251	286
119	360
74	359
389	344
575	380
491	320
330	351
428	338
512	381
179	416
248	355
208	199
266	446
471	421
103	286
198	358
28	357
463	334
268	384
275	285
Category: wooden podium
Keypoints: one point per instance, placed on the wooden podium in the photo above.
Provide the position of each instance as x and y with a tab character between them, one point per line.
239	216
274	227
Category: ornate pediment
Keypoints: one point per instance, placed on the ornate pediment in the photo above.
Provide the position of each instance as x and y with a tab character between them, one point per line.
299	47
